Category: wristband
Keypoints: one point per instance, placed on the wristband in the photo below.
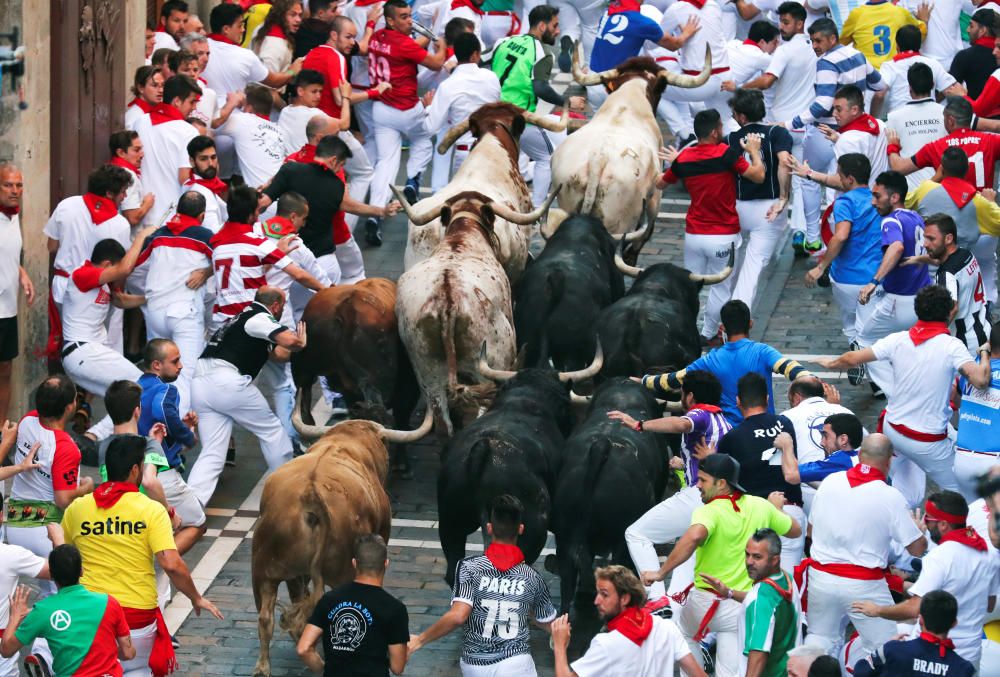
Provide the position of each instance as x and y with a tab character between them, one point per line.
171	512
729	593
638	426
876	282
372	94
894	149
370	24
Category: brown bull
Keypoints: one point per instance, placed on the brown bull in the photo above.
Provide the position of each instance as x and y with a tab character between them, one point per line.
311	511
354	343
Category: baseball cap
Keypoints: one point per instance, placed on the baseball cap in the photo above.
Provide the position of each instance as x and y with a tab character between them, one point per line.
723	467
985	17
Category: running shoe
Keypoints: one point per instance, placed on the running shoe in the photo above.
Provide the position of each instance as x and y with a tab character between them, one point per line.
338	406
811	248
708	656
231	453
565	54
798	244
373	232
35	666
412	189
877	391
856	375
659	607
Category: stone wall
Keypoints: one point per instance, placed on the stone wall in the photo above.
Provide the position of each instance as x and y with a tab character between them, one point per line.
10	17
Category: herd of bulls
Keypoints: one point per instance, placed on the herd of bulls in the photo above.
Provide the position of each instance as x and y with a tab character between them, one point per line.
495	343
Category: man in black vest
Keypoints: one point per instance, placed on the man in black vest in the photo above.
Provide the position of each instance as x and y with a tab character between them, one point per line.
223	392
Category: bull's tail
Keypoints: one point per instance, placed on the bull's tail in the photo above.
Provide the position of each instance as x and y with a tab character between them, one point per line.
597	457
595	167
317	519
451	364
632	343
479	456
555	287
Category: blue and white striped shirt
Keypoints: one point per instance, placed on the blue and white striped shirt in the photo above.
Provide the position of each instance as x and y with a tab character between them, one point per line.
842	65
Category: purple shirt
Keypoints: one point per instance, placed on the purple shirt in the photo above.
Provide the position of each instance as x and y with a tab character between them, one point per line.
711	425
905	226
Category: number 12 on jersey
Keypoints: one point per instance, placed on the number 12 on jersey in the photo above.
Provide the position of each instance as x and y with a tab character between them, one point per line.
502	616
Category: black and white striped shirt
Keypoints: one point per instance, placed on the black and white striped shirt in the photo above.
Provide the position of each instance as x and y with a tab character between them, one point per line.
502	604
960	275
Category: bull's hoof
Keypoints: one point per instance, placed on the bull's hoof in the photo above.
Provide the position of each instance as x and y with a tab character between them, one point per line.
552	564
262	670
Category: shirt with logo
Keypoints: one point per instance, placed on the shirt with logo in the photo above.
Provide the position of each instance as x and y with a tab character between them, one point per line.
620	36
58	458
709	174
394	57
118	545
907	228
770	623
82	629
979	414
982	149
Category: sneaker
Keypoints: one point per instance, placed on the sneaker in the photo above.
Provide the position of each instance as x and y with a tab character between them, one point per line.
35	666
296	449
877	391
659	607
411	191
688	140
707	656
565	54
856	375
338	406
174	642
231	454
373	232
811	248
799	244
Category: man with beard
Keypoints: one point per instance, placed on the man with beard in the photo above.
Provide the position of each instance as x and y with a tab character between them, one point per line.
769	627
637	643
962	565
205	180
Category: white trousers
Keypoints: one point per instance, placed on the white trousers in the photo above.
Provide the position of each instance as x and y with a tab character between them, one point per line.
708	254
539	144
937	459
969	466
724	624
441	164
890	314
350	261
9	667
496	27
985	251
910	479
515	666
222	396
830	599
182	499
709	94
793	548
676	114
359	170
852	313
579	20
760	239
184	324
798	218
278	378
94	366
818	152
299	296
989	662
142	640
364	112
664	522
391	125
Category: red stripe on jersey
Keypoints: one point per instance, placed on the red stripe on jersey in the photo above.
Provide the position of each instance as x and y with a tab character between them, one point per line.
254	282
175	242
231	308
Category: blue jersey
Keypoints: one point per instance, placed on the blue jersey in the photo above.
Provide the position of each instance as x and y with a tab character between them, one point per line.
979	414
907	227
730	362
620	36
817	471
913	657
859	258
160	404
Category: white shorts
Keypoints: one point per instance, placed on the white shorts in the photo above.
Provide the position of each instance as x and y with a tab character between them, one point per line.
182	499
515	666
142	640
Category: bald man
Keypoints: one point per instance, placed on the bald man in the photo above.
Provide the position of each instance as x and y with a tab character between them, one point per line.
12	275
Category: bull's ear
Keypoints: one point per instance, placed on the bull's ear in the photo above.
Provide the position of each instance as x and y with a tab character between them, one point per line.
489	216
445	216
517	126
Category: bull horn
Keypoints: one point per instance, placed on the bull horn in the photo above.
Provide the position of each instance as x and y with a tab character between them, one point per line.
587	372
626	269
508	214
452	135
543	121
674	406
308	432
587	79
690	81
489	372
416	218
634	235
579	399
719	276
407	436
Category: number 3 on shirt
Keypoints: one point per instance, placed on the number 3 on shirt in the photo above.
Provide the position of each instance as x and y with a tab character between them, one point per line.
883	44
502	616
379	70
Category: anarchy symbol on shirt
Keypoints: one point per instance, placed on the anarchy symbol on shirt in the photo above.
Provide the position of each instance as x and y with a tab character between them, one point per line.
60	620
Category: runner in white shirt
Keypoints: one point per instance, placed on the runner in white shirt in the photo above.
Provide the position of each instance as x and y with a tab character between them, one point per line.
148	90
924	362
13	277
189	64
738	17
894	72
88	298
944	30
165	134
127	153
273	39
260	147
857	131
855	518
637	644
231	68
961	564
751	57
304	107
461	9
172	26
919	121
466	89
205	180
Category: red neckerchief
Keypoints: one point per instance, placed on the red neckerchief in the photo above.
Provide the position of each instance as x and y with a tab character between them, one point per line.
455	4
278	227
985	41
101	208
125	164
863	123
504	556
142	104
697	3
219	37
228	229
752	44
905	55
216	185
108	493
733	497
784	594
366	3
9	212
306	154
319	164
942	644
618	6
181	222
247	4
276	31
966	536
634	622
925	331
710	408
161	27
164	112
959	190
863	474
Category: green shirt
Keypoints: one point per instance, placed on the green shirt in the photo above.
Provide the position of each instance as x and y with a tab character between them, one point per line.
721	555
514	62
497	6
153	456
770	623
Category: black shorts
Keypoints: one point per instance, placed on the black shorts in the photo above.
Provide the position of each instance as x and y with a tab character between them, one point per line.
8	339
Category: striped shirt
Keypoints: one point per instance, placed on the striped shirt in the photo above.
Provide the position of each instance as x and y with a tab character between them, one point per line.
238	258
169	256
502	604
707	423
960	275
842	65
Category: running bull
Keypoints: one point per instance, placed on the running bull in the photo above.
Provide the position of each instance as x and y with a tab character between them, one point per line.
311	511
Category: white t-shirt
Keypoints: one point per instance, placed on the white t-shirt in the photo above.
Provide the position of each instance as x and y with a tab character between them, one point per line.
132	116
134	194
612	654
216	212
466	89
293	121
163	40
275	53
208	105
894	76
166	153
858	525
745	61
794	64
922	377
970	575
944	32
10	264
692	54
85	306
873	146
231	68
16	561
917	123
260	148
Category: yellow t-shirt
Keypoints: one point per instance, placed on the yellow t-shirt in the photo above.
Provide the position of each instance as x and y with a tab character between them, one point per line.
872	28
118	546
